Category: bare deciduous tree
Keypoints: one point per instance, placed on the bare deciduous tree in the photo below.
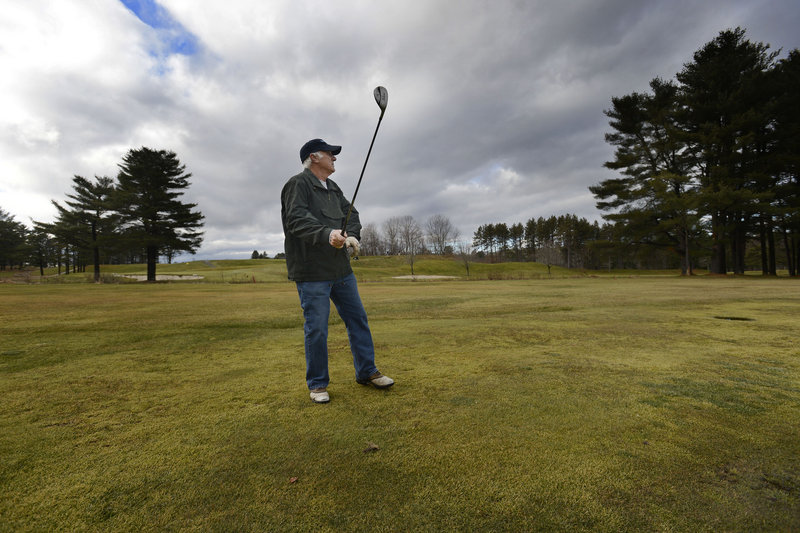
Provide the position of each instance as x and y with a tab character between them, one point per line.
371	241
465	252
411	238
391	234
440	232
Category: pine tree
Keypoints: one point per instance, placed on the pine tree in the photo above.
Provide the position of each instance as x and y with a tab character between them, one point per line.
89	221
787	157
656	197
147	198
13	237
722	95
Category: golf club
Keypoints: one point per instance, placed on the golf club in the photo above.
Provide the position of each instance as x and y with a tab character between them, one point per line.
381	98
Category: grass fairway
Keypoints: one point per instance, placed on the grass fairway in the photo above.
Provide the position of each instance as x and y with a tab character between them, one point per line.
657	404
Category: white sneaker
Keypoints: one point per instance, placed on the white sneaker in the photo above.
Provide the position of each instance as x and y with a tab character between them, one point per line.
377	380
320	396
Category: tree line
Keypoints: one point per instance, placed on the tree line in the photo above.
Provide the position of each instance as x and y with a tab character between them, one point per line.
710	161
564	240
136	218
406	236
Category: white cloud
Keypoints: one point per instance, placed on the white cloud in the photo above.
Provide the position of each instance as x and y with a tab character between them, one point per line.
35	131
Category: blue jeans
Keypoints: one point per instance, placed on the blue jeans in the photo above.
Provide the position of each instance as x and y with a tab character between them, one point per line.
315	299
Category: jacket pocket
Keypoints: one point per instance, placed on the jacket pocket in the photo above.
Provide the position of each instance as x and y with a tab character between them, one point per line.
333	214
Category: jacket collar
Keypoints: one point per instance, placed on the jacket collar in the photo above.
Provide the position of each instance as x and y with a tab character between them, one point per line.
316	183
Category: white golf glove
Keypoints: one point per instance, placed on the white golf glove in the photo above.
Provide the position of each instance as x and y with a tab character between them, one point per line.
353	246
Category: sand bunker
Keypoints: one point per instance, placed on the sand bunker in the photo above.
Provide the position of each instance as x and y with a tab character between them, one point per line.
425	277
160	277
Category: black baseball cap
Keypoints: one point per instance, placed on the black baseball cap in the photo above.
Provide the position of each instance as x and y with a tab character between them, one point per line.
317	145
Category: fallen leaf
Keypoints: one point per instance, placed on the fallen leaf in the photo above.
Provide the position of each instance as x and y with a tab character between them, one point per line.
292	480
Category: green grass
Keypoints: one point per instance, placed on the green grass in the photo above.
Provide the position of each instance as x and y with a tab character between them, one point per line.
599	403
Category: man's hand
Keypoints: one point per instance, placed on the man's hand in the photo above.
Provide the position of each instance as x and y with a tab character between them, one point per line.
353	244
337	238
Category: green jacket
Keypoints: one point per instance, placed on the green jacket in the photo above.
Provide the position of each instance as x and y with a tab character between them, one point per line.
309	213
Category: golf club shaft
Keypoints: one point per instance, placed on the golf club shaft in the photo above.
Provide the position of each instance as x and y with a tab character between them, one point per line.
353	201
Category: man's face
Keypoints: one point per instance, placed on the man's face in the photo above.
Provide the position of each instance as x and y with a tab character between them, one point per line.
325	161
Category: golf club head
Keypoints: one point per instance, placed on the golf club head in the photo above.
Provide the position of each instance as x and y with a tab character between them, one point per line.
381	97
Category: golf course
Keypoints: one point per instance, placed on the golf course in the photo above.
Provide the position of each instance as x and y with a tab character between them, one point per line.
525	400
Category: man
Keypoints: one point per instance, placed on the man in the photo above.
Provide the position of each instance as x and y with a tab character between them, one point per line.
313	209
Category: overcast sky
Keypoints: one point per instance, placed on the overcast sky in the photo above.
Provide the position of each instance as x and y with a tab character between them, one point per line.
495	107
